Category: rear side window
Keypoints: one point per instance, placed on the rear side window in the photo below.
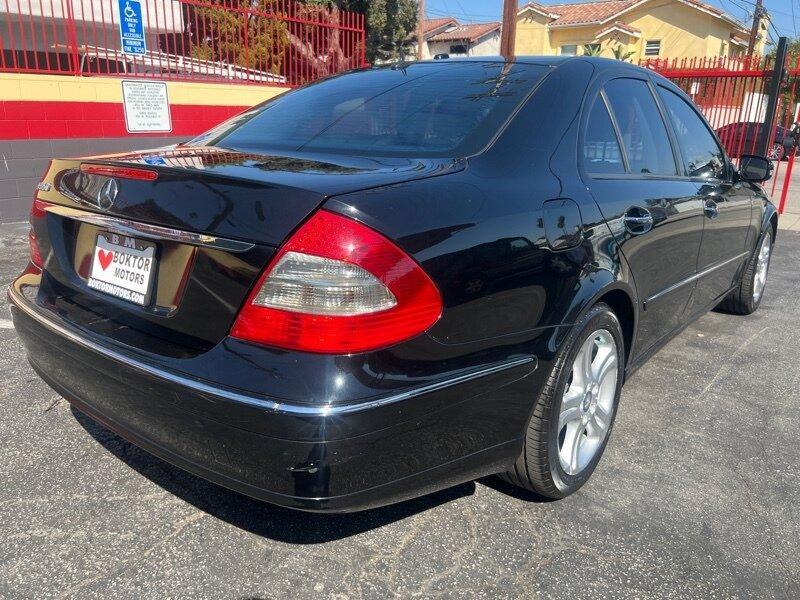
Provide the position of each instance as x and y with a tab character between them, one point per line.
444	109
702	156
644	135
601	152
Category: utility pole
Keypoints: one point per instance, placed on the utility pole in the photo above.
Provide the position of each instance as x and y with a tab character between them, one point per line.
757	12
421	29
773	98
508	33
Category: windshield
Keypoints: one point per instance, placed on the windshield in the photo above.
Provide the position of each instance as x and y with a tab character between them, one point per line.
425	109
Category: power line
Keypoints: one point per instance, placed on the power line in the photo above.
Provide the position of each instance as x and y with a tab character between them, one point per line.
467	16
464	16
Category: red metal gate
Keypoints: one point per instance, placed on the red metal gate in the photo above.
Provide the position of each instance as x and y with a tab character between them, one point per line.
282	42
733	94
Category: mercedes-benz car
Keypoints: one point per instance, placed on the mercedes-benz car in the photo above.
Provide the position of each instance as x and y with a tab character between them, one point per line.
393	280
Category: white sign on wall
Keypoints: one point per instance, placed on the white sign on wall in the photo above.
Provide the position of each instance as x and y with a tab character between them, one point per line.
146	107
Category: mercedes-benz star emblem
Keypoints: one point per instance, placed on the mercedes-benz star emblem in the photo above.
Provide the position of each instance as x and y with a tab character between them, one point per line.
107	194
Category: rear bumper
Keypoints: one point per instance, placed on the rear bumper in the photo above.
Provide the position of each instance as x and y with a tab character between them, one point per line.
410	442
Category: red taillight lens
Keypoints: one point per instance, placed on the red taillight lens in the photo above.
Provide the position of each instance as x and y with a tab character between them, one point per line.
37	212
338	287
36	255
119	172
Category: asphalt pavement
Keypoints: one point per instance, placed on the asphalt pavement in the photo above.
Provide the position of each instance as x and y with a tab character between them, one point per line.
697	496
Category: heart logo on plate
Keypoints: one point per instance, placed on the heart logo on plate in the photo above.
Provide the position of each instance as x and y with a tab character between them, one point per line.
105	258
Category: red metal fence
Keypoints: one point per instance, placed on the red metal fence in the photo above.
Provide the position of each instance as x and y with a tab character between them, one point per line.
241	41
733	94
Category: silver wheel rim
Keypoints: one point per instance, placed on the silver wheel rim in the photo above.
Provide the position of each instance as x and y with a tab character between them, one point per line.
762	267
588	402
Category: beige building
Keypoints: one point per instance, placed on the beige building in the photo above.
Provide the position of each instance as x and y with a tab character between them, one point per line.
636	29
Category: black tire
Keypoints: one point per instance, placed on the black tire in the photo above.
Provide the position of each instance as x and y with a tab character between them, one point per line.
742	301
538	468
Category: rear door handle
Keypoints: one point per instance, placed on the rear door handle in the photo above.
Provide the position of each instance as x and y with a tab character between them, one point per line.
711	209
638	220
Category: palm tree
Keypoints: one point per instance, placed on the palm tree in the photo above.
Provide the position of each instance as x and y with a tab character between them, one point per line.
592	49
621	54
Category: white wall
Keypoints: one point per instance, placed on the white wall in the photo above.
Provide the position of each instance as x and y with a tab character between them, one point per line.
489	45
164	15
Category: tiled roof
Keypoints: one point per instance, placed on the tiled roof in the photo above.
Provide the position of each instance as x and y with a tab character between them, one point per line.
624	27
599	12
429	25
588	12
472	32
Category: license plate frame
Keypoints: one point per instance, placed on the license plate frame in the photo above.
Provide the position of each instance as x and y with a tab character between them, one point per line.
128	256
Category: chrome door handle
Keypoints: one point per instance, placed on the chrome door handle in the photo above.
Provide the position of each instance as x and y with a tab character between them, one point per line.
711	209
638	220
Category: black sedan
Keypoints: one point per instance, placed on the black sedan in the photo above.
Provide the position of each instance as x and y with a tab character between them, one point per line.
393	280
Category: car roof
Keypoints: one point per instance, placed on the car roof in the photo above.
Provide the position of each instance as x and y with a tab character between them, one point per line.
599	63
537	59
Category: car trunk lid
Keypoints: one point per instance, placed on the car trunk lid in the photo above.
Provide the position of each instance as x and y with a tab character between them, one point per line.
210	220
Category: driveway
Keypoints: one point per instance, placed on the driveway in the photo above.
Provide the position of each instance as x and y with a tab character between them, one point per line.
698	495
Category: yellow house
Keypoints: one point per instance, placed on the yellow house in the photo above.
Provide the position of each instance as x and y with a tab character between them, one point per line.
637	29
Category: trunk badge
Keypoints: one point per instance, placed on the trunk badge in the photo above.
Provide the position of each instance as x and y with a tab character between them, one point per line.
107	194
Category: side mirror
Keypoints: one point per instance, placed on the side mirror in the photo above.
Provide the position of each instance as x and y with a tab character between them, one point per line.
755	168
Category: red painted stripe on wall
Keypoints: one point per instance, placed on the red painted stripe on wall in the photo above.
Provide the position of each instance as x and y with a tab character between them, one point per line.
29	120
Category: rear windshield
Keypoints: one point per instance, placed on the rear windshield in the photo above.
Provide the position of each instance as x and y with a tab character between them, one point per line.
426	109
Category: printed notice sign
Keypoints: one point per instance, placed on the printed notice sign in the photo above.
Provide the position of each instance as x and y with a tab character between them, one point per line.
131	27
146	106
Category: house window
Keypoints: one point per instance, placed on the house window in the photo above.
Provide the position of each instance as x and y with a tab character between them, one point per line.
652	47
459	49
569	50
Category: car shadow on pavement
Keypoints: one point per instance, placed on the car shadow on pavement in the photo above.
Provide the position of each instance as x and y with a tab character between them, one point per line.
267	520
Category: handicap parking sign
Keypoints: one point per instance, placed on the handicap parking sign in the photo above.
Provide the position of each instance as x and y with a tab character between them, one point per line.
131	27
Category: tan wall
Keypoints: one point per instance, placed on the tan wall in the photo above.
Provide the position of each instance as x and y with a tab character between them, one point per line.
532	34
683	31
572	35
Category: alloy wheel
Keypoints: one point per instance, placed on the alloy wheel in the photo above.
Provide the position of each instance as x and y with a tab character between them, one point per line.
762	267
587	405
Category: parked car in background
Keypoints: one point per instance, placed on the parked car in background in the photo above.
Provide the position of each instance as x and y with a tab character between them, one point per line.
394	280
742	138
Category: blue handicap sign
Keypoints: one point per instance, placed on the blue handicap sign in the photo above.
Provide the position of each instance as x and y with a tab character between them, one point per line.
131	27
154	160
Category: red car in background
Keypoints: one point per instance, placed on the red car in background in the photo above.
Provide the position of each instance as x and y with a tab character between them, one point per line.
742	138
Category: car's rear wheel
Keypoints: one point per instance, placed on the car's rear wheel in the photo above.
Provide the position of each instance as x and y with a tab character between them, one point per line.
746	298
776	152
574	414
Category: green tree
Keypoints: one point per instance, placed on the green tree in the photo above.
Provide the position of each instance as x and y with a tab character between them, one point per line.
244	39
388	23
592	49
621	54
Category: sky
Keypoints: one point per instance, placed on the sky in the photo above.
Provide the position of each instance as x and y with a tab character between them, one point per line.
782	11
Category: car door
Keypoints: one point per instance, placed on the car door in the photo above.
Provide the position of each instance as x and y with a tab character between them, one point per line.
727	203
631	168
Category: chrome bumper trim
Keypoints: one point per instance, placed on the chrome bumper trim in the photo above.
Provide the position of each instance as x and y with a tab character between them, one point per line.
68	332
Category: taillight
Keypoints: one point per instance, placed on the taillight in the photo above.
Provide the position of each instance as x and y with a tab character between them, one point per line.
338	287
37	212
